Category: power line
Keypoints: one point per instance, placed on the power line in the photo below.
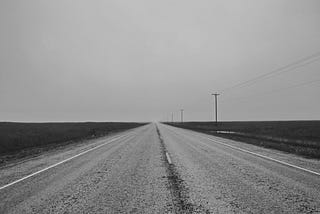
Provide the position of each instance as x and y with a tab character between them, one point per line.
284	69
281	89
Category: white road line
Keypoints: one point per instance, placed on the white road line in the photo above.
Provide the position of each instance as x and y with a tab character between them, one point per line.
168	158
61	162
266	157
261	156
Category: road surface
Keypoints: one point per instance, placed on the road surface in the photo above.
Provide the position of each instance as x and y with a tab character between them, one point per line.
161	169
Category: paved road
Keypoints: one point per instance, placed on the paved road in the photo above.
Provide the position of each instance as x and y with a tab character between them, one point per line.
130	173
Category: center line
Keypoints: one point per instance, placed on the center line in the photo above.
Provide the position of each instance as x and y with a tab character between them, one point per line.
168	158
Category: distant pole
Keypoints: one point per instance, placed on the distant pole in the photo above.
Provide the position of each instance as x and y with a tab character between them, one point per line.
181	115
172	117
216	106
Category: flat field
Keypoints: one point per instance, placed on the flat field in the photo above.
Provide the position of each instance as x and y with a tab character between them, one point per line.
15	137
299	137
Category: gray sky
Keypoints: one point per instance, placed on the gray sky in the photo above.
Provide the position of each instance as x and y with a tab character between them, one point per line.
141	60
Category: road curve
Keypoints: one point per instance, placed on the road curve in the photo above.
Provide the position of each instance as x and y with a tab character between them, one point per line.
161	169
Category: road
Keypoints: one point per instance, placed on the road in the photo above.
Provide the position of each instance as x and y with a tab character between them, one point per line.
161	169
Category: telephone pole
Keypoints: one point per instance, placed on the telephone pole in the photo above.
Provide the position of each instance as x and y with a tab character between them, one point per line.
216	106
181	115
172	117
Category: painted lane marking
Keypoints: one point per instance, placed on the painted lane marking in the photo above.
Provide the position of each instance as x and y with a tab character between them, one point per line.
61	162
265	157
168	158
259	155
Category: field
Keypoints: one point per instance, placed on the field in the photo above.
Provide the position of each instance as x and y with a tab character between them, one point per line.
17	137
299	137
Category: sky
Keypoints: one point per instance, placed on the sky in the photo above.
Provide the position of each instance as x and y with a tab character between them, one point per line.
142	60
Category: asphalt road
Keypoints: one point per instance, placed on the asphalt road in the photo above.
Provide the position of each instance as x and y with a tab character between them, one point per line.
161	169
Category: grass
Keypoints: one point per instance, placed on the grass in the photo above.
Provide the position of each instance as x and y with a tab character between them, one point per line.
298	137
15	137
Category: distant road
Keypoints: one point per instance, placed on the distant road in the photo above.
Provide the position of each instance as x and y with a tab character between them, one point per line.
161	169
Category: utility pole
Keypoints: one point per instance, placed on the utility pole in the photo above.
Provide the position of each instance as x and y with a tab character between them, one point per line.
172	117
181	115
216	106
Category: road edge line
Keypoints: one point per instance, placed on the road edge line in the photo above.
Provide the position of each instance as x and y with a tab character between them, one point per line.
259	155
61	162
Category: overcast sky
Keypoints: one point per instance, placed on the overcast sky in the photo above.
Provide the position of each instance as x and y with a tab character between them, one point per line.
141	60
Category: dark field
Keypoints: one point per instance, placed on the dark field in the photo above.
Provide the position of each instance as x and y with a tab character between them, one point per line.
299	137
15	137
